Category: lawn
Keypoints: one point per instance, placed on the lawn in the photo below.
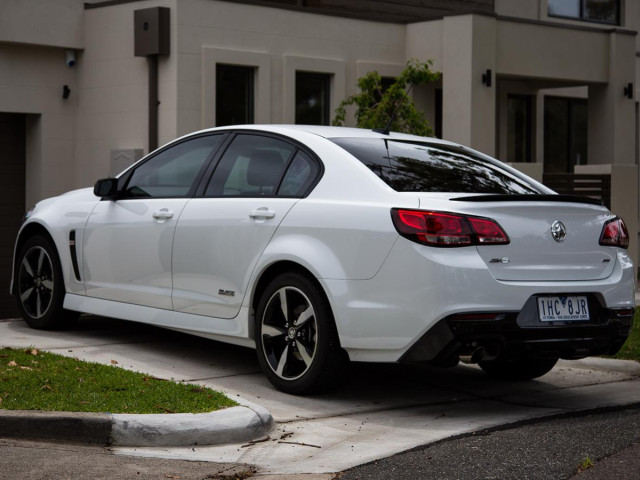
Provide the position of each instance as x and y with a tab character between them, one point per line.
631	349
35	380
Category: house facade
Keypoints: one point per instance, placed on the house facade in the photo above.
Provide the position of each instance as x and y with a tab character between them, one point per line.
87	88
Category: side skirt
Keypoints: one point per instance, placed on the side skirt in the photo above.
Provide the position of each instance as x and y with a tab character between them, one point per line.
234	331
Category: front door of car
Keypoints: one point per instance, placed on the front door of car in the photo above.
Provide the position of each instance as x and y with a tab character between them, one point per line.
128	241
221	236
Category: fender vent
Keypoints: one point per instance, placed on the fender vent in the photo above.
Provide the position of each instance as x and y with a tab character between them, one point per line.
74	257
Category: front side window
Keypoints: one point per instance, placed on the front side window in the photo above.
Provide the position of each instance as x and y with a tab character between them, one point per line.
234	95
422	167
602	11
312	98
173	171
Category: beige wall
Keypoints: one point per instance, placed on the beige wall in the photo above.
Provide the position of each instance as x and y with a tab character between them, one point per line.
54	23
277	43
31	81
113	96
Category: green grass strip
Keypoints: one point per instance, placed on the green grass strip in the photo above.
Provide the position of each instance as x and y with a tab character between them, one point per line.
631	349
35	380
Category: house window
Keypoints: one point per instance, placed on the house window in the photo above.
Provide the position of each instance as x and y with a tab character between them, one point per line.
601	11
312	98
234	95
565	134
519	122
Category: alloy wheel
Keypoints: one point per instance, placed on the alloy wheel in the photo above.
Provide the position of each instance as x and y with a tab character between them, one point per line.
289	333
36	282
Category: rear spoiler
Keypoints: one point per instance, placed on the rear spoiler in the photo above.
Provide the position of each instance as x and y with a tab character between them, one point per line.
530	198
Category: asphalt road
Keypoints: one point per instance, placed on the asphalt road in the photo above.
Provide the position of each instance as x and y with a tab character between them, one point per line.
551	449
548	449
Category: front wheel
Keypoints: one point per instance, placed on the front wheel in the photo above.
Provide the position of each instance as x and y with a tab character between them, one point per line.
520	369
40	286
296	338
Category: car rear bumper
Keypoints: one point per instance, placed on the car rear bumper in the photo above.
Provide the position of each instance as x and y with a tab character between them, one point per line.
512	335
419	289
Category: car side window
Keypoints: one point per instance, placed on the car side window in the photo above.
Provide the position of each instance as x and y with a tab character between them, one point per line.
252	166
300	175
172	172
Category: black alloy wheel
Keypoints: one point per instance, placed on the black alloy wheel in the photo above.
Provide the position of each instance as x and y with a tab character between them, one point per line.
40	286
296	338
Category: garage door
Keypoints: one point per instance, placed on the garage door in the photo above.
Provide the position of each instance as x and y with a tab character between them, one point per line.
12	195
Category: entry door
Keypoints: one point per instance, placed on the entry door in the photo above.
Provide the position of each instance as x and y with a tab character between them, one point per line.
128	241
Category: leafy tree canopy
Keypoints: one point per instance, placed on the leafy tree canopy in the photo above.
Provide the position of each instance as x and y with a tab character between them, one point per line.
375	106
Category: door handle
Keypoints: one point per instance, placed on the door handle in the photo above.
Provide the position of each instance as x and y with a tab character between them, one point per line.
262	213
163	215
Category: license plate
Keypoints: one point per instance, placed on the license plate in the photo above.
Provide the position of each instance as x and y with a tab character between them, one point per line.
562	309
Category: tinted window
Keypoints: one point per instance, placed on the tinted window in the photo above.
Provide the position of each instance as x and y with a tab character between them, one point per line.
252	166
172	172
312	98
601	11
417	167
300	175
234	94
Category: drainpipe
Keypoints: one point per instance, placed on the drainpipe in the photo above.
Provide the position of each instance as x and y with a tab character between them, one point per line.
154	102
151	39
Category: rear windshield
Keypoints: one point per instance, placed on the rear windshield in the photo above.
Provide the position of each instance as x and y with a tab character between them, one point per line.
421	167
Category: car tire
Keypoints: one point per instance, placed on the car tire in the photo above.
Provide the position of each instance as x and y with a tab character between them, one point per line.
296	338
520	369
40	286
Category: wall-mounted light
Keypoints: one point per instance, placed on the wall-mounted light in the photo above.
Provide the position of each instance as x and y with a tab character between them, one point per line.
486	78
66	91
628	91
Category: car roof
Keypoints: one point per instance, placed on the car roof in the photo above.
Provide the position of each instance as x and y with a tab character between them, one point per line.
333	132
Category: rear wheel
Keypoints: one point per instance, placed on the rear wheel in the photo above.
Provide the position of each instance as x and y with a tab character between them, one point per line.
520	369
296	339
40	286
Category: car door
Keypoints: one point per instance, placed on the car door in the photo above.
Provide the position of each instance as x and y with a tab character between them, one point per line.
221	236
128	240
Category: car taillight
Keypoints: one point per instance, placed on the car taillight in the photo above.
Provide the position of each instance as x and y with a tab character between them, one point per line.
440	229
615	234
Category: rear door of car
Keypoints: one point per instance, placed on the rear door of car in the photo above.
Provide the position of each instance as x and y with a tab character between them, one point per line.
128	241
222	233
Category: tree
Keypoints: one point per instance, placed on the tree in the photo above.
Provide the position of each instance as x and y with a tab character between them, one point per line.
375	106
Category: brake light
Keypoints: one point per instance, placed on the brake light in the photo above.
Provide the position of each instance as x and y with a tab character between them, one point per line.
441	229
615	234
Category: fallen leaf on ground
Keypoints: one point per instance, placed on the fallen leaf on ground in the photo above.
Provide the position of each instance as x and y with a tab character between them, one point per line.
12	363
162	408
34	352
114	362
166	475
25	368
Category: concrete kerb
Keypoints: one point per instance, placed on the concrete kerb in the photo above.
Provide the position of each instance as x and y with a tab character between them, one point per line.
231	425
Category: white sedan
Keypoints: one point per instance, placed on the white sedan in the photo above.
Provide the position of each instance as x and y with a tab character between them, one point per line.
315	245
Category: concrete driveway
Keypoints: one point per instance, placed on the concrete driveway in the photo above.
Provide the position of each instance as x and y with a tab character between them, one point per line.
380	410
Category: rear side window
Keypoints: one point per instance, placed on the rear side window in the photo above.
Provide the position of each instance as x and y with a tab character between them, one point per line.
423	167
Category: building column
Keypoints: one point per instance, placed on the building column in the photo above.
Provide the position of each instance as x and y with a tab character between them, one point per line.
469	105
612	133
611	113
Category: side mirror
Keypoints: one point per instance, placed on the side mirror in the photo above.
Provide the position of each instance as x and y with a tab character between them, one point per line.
106	188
